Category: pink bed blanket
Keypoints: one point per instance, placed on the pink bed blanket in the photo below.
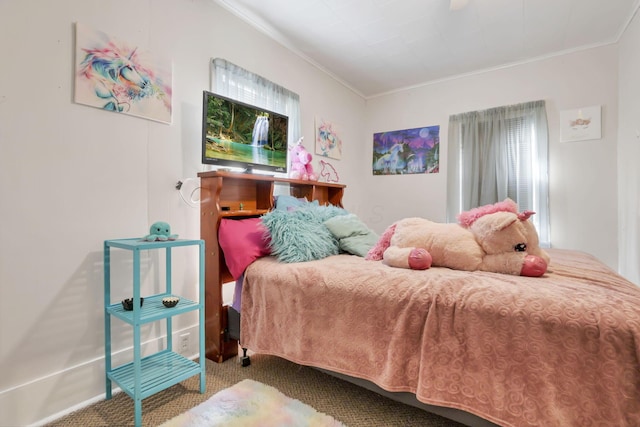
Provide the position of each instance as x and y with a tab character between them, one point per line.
560	350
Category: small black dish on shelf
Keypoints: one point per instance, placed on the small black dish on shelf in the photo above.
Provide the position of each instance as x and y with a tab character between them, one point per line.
127	304
170	301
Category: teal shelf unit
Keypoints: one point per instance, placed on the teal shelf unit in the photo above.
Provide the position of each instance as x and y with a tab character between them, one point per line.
145	376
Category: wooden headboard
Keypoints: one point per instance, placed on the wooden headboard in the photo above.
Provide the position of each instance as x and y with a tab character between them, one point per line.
237	195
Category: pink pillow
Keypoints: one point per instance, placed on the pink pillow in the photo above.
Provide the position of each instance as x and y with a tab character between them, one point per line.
242	242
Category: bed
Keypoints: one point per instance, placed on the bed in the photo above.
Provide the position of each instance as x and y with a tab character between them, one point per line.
561	350
478	347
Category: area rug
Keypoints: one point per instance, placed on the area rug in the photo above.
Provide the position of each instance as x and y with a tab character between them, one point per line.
252	404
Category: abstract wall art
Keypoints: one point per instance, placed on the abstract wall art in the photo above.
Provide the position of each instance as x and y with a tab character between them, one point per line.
114	76
328	142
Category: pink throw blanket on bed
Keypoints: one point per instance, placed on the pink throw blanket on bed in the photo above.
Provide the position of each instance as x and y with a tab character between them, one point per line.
560	350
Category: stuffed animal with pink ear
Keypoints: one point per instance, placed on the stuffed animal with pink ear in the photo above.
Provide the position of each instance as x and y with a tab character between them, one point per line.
301	167
494	238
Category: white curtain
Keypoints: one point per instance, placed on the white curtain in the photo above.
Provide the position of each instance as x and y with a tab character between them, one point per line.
232	81
498	153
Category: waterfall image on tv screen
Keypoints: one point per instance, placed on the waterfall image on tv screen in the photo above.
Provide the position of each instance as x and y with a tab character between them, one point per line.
242	135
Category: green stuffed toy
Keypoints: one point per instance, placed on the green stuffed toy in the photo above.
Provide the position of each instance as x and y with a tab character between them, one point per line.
160	231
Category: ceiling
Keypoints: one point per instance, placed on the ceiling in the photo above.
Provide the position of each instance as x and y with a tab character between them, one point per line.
380	46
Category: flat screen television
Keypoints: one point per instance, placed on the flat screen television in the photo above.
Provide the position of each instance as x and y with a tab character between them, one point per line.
240	135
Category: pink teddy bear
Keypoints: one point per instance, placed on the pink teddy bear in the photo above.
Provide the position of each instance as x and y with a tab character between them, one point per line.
301	167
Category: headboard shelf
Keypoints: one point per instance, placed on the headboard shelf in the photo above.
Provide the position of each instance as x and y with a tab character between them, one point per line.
226	194
243	213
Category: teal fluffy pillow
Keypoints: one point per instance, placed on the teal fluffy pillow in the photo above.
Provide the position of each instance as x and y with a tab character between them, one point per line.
352	234
300	235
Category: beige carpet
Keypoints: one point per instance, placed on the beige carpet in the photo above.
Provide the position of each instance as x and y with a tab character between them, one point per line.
352	405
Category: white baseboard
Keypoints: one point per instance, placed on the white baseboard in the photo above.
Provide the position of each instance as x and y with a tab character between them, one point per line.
50	397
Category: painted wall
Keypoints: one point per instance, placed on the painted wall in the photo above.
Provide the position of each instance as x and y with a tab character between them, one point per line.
629	153
72	176
582	175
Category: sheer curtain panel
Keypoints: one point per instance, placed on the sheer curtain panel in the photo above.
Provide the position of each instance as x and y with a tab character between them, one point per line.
498	153
235	82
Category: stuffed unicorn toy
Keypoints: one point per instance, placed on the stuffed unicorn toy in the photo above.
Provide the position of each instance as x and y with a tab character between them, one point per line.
494	238
301	167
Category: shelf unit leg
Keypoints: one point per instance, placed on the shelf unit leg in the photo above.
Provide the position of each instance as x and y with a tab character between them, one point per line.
107	319
137	409
167	273
137	368
169	291
201	319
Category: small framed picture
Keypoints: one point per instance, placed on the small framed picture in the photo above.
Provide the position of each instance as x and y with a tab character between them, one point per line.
581	124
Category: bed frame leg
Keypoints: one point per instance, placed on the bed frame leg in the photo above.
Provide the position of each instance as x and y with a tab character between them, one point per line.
245	360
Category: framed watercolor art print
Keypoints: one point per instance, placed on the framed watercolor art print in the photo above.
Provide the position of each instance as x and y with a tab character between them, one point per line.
114	76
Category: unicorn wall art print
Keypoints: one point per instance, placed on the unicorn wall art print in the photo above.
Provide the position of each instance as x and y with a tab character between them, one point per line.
115	77
407	151
328	142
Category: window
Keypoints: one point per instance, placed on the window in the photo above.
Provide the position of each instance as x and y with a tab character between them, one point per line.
235	82
498	153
